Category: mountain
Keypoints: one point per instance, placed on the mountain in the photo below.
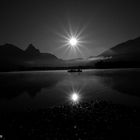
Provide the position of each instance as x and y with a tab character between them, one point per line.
31	50
125	54
12	58
127	51
9	50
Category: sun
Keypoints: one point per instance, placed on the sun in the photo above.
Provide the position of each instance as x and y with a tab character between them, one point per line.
73	41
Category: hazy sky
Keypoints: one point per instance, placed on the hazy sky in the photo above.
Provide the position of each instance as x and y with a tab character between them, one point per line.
105	23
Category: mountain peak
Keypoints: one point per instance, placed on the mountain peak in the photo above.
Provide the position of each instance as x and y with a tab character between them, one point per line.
125	51
10	49
32	50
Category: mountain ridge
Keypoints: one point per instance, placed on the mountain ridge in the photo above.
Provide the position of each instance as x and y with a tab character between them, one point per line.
130	47
124	54
12	56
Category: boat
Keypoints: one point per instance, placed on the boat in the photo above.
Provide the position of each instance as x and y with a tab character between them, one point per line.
75	70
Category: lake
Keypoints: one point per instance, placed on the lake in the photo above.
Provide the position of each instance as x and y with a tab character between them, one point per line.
41	89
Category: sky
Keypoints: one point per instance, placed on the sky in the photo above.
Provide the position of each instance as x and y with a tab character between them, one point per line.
46	24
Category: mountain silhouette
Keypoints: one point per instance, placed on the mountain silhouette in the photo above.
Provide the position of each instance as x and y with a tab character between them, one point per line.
31	50
12	58
123	55
126	51
9	50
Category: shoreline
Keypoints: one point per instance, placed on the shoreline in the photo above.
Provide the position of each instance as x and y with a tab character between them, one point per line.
54	70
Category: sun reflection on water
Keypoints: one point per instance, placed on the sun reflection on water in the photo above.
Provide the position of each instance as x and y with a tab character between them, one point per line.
75	97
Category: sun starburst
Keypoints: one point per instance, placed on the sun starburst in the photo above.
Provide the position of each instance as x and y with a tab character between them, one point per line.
73	41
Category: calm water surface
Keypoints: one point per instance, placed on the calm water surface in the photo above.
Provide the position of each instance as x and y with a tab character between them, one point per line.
35	90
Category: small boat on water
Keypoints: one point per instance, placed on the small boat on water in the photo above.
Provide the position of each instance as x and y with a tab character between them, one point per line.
75	70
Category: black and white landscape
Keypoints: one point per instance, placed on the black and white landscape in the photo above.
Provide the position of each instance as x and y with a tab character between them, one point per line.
69	70
124	55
